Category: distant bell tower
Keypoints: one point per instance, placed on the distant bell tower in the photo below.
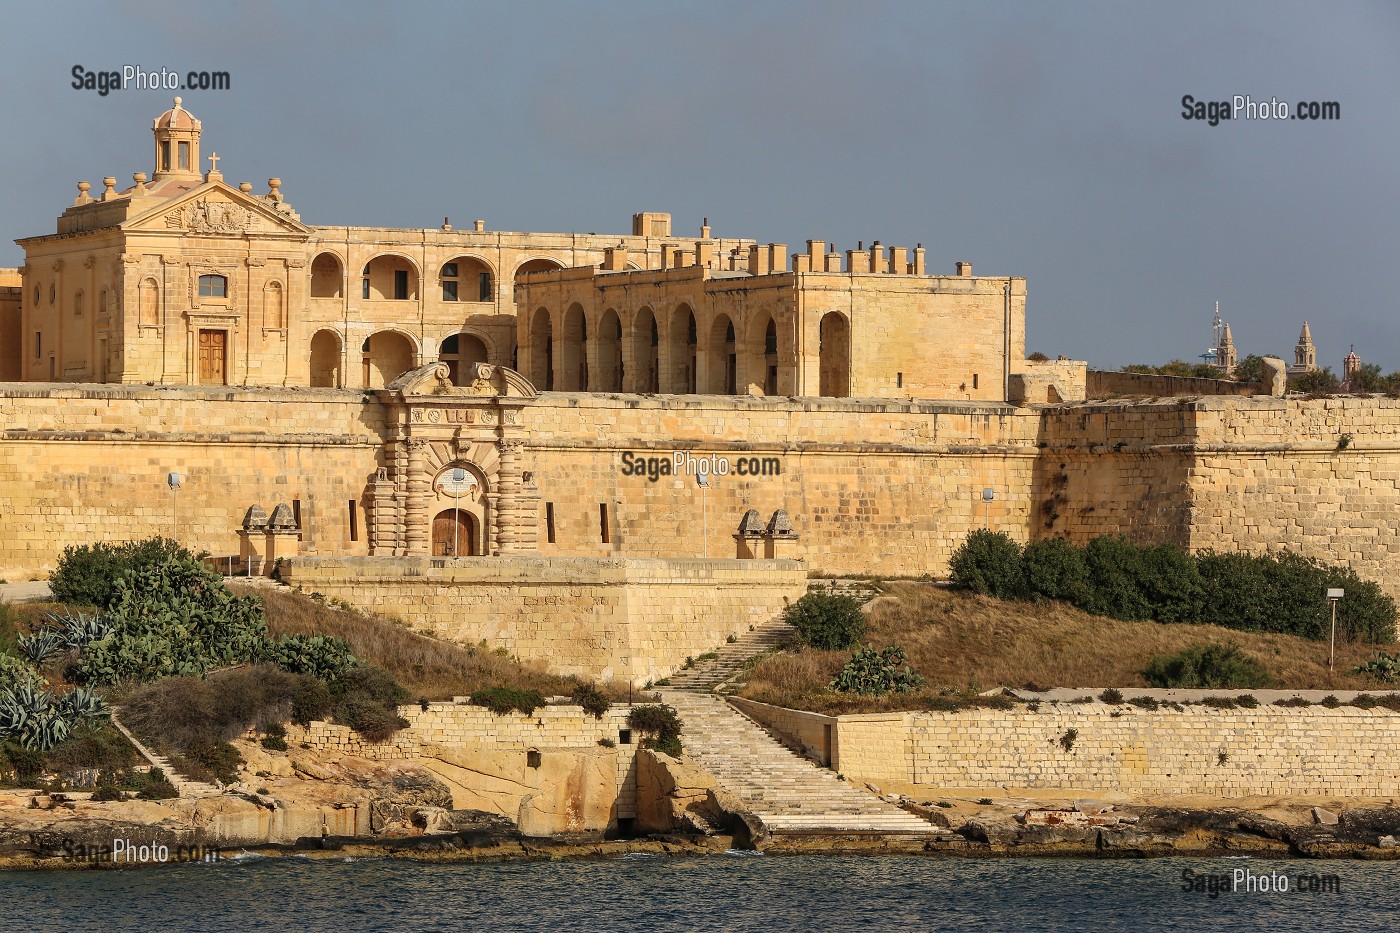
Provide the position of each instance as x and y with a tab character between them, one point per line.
177	144
1304	354
1225	355
1351	371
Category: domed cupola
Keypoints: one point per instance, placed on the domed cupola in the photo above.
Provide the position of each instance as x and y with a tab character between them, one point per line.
177	144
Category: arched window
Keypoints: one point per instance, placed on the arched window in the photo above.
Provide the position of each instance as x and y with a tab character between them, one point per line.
150	303
213	286
78	305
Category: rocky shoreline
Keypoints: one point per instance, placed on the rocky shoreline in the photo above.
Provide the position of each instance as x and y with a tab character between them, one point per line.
1133	832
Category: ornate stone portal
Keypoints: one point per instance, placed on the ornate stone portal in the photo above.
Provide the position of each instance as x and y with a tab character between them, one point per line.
435	427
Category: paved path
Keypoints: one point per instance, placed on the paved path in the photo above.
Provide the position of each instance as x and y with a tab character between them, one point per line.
786	791
14	592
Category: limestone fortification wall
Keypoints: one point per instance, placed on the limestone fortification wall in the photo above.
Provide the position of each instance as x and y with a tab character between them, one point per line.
633	620
1101	384
487	754
1270	750
872	486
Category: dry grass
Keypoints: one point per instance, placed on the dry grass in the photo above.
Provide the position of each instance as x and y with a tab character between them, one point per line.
427	667
964	642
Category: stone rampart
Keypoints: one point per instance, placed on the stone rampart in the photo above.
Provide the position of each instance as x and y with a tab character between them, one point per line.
632	620
1267	751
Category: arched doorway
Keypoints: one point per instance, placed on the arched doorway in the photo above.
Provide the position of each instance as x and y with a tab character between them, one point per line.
325	360
541	350
835	349
760	362
455	534
609	353
326	277
722	362
573	362
646	377
385	355
459	351
681	342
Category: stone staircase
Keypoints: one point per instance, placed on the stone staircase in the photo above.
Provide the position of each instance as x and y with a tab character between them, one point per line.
787	792
183	787
708	674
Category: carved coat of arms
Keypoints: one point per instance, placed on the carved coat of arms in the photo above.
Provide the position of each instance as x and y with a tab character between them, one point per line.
208	216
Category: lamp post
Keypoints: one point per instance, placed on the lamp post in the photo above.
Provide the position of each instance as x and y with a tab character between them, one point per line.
172	479
1333	596
988	494
702	479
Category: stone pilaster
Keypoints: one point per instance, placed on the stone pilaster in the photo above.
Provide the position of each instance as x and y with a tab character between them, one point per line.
416	503
507	496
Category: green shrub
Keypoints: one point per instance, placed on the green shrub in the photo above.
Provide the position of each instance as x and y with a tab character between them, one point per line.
876	673
204	760
156	786
26	763
1112	696
827	620
1207	665
663	723
87	575
1055	569
989	562
179	712
99	747
367	700
502	700
592	700
310	700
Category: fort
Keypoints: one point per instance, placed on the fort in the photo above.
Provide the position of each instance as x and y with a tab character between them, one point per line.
184	325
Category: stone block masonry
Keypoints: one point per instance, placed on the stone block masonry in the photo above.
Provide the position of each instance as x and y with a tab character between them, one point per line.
632	620
1267	751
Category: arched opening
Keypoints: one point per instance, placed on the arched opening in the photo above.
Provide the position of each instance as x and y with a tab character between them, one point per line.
536	265
456	534
573	364
541	350
681	344
325	360
385	355
150	303
467	278
459	351
78	303
327	277
722	363
646	341
273	305
390	278
609	353
835	354
761	354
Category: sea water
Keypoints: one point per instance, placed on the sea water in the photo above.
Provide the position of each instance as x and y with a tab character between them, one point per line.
734	892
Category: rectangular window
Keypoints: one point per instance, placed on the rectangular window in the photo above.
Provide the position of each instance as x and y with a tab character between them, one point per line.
184	156
449	290
549	522
364	287
401	284
603	522
165	156
974	380
899	380
449	270
296	515
38	344
354	522
485	292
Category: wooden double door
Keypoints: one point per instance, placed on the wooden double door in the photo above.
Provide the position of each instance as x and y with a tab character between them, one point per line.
455	534
213	357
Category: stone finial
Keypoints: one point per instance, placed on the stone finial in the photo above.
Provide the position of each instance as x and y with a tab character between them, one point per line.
109	188
83	189
255	520
780	525
273	194
246	187
282	519
751	523
139	178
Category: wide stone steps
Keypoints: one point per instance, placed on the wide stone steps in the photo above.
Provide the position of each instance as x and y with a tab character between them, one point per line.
787	792
706	675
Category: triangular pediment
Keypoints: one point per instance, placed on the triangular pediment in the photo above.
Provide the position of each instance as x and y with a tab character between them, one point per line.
215	209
